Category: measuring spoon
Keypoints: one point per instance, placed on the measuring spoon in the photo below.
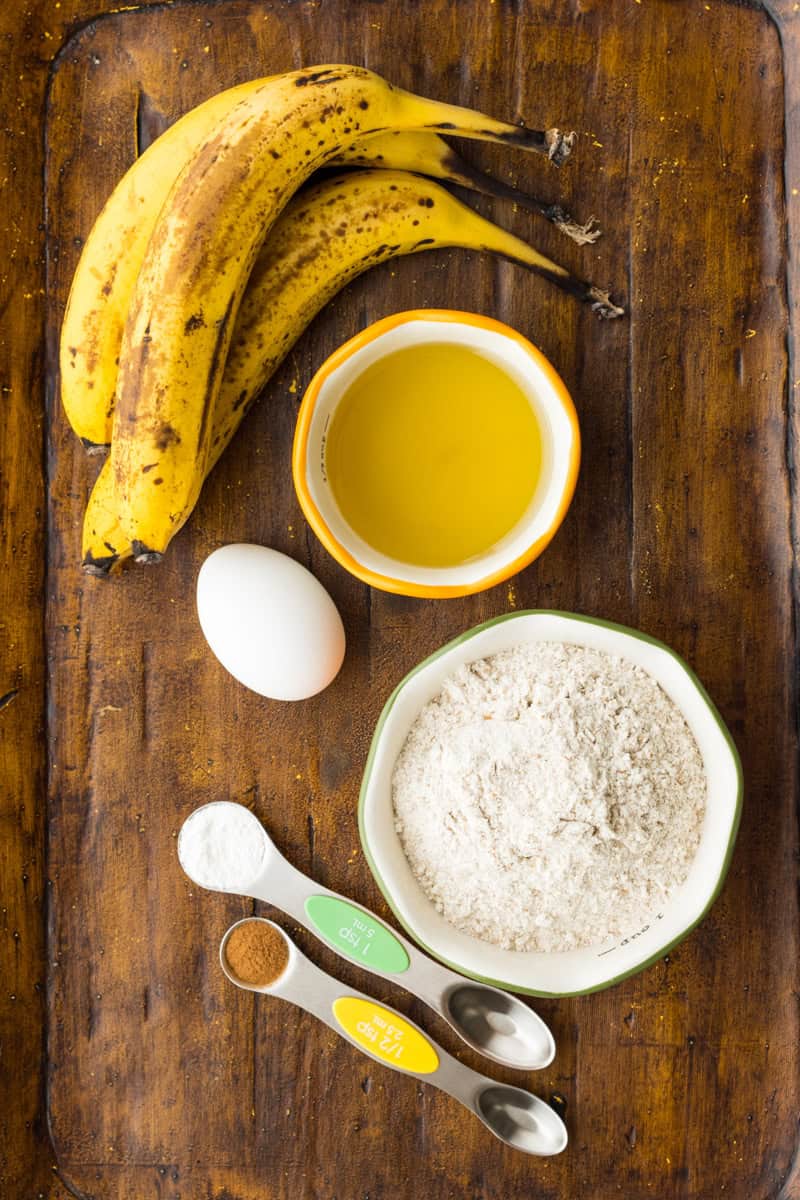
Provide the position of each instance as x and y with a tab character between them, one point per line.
516	1117
489	1020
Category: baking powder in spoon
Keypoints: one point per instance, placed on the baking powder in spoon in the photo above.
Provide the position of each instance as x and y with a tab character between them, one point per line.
222	846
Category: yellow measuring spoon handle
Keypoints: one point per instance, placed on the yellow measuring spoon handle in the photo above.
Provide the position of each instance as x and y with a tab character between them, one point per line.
385	1035
377	1030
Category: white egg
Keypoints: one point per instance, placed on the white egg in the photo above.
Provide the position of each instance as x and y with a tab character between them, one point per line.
269	622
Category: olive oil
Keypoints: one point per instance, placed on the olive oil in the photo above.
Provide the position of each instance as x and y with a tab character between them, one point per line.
433	454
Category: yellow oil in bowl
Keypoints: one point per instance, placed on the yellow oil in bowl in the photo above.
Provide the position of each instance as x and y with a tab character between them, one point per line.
433	454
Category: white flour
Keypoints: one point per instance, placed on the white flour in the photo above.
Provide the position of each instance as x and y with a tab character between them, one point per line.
549	797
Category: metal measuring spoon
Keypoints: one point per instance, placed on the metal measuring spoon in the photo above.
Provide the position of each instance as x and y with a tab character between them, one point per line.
516	1117
489	1020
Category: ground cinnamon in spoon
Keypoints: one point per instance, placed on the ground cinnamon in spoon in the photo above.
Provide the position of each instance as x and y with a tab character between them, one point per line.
256	953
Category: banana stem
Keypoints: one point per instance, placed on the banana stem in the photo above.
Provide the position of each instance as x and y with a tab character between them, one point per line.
466	122
554	144
598	300
463	173
507	245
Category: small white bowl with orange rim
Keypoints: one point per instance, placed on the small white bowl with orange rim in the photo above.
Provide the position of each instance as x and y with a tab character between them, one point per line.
557	463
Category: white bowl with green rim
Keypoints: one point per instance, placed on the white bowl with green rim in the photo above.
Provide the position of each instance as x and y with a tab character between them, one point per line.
595	967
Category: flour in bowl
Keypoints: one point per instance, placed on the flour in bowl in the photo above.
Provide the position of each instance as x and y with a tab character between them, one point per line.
549	797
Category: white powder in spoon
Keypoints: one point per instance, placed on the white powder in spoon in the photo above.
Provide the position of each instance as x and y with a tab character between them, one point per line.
222	846
549	797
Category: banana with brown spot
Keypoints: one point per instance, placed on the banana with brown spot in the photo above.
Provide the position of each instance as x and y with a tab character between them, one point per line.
112	255
200	255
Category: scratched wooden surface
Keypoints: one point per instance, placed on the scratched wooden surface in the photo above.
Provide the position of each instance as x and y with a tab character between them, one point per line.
160	1079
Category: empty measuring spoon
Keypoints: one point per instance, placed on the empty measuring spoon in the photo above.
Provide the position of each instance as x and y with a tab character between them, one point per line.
516	1117
491	1021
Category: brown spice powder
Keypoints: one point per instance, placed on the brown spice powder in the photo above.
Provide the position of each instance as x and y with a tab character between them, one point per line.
256	953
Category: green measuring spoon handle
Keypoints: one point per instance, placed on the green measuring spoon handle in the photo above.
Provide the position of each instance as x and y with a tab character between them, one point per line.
356	934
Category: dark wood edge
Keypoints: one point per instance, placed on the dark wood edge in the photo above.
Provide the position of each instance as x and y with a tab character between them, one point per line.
27	1166
786	17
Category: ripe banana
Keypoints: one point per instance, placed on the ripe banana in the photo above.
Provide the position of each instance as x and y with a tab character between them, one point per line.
376	215
199	258
104	279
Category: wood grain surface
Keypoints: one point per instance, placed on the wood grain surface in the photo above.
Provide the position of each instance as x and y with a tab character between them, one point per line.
160	1079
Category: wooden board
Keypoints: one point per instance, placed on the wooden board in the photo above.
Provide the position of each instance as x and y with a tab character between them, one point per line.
161	1079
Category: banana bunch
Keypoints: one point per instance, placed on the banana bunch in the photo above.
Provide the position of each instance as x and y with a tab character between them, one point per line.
205	266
